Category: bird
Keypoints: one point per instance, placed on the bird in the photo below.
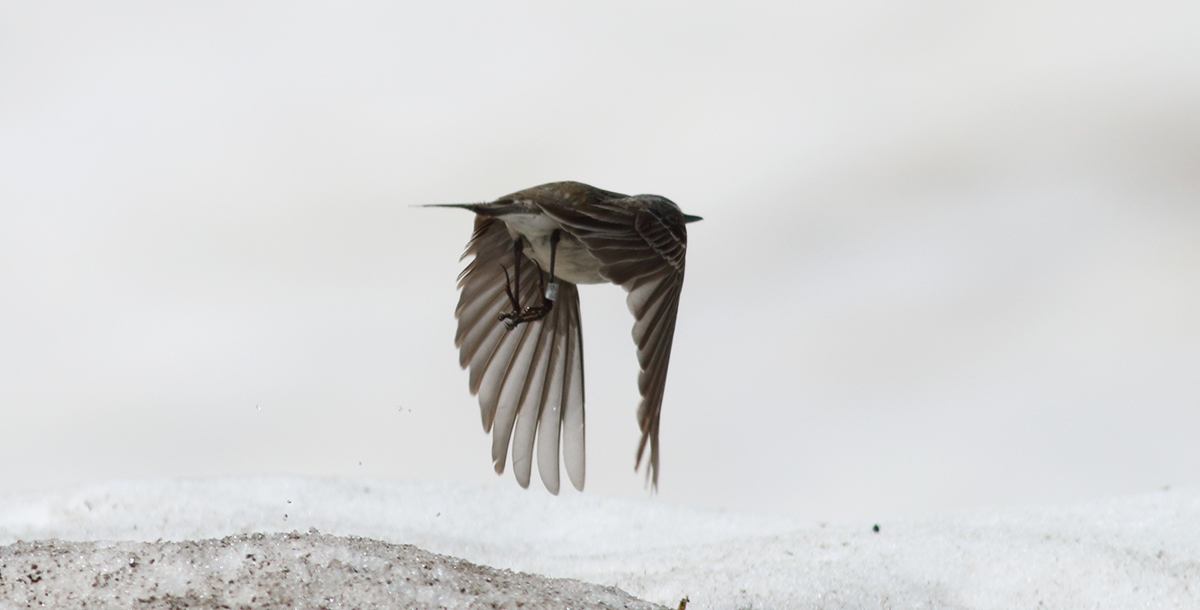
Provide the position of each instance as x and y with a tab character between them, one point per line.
519	330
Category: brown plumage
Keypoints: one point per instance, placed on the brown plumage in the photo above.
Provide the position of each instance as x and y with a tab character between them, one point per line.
530	379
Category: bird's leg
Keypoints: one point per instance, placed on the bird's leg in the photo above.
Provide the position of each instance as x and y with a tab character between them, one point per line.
512	299
549	292
512	287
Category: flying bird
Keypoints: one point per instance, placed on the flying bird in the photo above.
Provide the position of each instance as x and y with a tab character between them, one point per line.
519	331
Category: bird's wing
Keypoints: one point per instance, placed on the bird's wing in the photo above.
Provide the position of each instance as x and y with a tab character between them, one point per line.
642	250
530	379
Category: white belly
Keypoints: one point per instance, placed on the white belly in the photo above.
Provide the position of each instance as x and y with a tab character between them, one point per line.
571	261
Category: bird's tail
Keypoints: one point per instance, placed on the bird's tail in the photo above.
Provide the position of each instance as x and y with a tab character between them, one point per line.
498	208
465	206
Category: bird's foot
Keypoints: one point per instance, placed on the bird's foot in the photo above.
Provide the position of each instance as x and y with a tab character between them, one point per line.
520	315
514	319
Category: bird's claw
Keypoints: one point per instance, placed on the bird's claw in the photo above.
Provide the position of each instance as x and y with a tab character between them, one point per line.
520	315
514	319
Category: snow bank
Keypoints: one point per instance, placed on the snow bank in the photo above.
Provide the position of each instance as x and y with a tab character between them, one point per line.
1133	552
280	570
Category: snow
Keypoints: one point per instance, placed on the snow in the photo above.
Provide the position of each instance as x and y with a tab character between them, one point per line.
190	539
286	570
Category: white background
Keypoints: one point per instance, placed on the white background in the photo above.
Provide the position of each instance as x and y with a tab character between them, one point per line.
950	255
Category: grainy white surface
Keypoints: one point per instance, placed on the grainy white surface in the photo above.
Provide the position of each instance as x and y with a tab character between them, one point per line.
301	571
1132	552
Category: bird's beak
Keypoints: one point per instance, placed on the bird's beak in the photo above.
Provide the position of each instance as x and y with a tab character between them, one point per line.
689	218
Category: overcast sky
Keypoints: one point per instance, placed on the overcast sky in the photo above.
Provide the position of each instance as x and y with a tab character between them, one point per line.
950	255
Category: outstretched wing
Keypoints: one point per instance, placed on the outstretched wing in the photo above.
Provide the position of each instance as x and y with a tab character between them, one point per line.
530	379
642	248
